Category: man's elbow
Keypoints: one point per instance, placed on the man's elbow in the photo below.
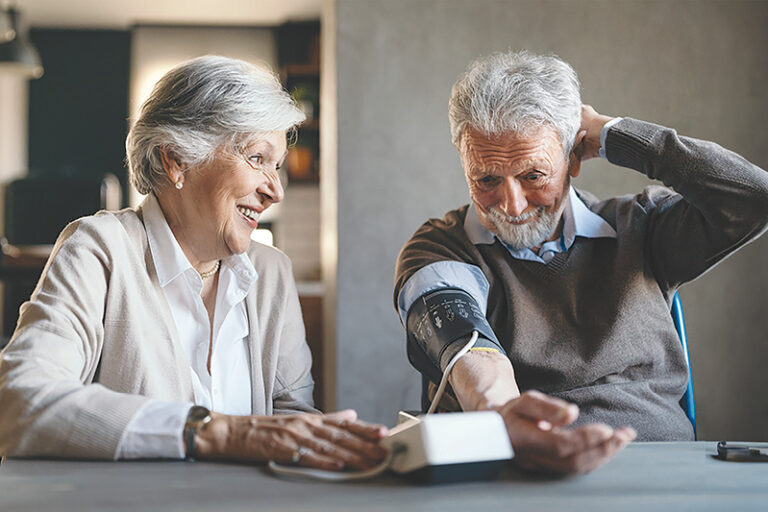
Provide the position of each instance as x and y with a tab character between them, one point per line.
757	211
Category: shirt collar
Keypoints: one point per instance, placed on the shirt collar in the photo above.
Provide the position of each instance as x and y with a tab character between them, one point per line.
476	232
170	260
578	220
581	221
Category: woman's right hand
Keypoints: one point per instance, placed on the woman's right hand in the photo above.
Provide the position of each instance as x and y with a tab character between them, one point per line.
327	441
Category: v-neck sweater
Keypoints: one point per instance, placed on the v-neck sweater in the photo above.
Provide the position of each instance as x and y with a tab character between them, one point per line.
593	326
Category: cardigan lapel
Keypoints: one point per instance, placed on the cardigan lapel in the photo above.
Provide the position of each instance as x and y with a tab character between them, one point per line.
260	404
178	355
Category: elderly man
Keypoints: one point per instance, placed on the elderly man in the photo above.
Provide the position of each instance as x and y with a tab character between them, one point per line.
570	295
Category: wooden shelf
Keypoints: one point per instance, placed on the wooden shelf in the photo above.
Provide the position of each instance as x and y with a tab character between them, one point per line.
298	53
310	124
24	256
308	70
312	312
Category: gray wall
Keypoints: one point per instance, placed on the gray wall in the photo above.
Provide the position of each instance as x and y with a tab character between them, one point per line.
701	67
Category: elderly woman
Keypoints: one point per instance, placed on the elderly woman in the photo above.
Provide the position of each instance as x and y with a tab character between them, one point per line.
140	314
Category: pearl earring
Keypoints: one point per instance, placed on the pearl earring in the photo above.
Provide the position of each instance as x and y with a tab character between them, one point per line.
179	184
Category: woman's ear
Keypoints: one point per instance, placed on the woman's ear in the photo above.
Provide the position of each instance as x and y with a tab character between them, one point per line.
171	165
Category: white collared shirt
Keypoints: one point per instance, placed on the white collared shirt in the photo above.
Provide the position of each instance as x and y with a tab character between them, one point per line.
156	429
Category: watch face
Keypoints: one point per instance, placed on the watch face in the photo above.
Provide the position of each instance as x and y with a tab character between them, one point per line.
197	413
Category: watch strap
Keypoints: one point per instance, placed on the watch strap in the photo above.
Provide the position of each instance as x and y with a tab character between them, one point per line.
197	418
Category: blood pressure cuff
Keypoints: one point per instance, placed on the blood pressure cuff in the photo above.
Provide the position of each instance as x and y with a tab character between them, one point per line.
439	323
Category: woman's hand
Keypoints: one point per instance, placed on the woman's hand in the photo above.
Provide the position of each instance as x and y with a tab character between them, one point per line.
331	441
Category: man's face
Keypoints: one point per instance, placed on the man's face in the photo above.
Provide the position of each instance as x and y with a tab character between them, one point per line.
517	183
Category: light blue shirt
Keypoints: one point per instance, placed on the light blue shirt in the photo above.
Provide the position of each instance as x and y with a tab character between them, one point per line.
578	221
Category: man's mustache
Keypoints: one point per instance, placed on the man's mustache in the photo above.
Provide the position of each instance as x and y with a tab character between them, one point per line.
520	218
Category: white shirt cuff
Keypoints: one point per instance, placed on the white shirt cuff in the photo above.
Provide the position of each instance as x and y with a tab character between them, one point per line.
156	431
604	134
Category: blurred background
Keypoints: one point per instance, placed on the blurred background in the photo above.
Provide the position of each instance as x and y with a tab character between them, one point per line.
65	116
374	159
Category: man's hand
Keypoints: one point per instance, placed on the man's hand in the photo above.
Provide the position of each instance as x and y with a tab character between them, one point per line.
587	143
327	441
535	423
483	380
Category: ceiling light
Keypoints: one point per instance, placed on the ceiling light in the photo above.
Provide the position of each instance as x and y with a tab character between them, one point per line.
7	32
17	54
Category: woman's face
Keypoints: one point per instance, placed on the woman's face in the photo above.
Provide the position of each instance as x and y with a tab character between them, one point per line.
223	200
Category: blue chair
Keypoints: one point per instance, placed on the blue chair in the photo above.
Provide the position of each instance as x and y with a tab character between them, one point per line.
686	402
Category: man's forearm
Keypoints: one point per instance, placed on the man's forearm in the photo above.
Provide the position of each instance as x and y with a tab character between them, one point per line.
724	200
483	380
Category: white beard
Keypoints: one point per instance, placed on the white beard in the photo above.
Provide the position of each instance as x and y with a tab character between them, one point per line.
524	236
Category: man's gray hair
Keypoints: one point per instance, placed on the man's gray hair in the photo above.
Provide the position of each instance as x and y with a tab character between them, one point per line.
517	92
201	106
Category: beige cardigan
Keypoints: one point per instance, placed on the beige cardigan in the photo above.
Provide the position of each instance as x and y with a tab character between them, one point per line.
97	339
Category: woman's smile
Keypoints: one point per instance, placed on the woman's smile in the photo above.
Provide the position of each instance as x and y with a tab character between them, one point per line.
249	215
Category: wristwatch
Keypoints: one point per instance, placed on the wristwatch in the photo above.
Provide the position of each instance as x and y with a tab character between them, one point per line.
197	418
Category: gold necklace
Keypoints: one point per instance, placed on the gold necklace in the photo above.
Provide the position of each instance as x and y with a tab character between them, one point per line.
206	275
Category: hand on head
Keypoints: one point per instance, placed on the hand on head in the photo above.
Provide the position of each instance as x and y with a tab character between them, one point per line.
587	144
331	441
536	425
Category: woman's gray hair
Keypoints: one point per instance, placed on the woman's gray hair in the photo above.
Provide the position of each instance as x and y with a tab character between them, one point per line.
517	92
200	106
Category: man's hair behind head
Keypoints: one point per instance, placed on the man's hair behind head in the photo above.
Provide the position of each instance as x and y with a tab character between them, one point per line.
517	92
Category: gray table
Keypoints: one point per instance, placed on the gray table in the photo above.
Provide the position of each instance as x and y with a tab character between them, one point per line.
645	476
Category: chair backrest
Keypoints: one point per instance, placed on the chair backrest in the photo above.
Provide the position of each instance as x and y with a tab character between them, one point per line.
687	402
38	208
